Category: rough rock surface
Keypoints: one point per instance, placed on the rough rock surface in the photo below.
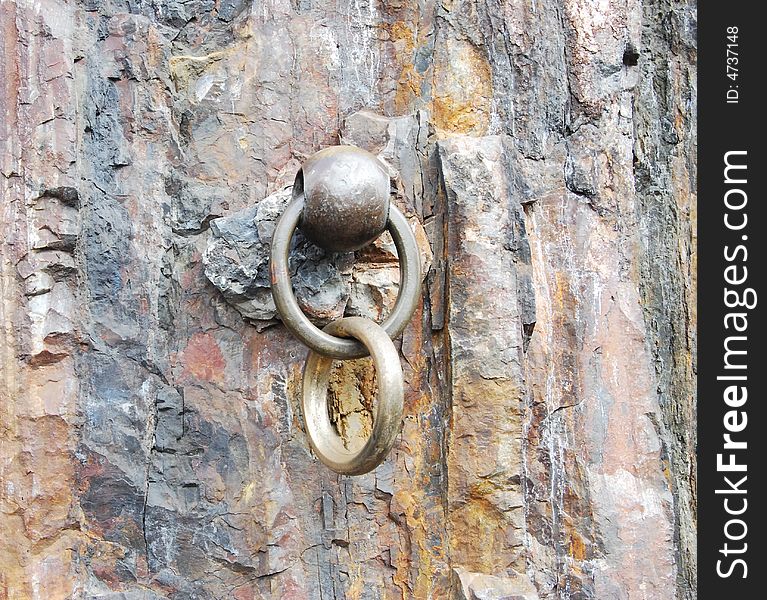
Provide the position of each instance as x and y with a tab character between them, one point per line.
237	263
150	435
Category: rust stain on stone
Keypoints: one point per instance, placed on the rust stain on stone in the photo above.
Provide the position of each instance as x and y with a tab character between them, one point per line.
203	358
410	80
462	89
421	552
577	546
351	392
486	550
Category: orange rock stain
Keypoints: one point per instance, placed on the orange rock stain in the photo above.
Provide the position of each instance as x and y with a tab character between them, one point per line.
203	359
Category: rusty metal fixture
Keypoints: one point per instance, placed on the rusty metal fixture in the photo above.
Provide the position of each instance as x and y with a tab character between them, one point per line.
346	193
299	324
341	201
323	436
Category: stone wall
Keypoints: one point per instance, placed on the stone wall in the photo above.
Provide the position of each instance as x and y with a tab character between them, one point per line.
151	443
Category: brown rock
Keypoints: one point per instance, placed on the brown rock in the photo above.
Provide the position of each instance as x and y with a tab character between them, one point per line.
150	436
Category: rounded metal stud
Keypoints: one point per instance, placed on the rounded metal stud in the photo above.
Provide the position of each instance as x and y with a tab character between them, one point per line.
387	415
299	324
346	193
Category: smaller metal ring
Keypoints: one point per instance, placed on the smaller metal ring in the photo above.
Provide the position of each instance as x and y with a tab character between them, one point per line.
323	436
300	325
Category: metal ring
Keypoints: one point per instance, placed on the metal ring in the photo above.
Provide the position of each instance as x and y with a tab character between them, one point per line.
323	436
298	323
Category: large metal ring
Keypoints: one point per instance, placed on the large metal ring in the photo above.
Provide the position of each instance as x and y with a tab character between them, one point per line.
298	323
323	436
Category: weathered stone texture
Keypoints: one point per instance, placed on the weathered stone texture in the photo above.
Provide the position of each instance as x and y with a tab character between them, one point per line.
484	459
151	444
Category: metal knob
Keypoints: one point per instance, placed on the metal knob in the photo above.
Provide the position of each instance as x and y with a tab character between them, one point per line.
346	193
